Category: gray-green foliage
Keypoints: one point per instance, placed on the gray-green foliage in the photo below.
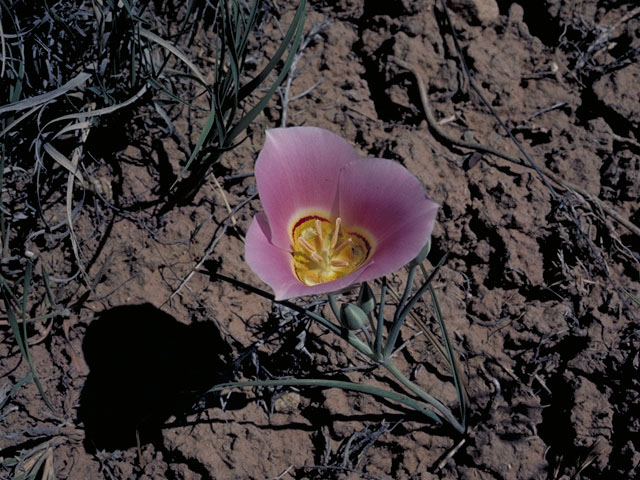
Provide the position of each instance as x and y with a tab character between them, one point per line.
69	70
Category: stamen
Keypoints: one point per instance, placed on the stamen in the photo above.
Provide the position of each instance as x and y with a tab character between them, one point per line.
319	230
336	232
342	246
307	246
324	251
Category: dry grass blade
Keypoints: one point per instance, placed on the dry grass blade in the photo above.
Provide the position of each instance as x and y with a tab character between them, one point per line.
3	47
173	49
65	162
31	102
224	198
592	455
69	207
72	166
9	127
212	245
100	111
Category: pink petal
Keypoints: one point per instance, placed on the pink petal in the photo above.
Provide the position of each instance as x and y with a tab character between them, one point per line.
273	265
297	173
385	199
270	263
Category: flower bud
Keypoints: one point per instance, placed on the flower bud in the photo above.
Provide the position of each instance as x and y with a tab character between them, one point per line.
366	299
352	317
422	256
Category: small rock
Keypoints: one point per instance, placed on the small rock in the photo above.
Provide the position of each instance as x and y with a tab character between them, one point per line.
287	403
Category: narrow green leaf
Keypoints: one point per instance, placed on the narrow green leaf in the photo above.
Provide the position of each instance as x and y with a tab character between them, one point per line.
203	137
633	298
250	23
294	29
356	387
128	8
47	286
22	338
453	364
253	113
7	289
27	286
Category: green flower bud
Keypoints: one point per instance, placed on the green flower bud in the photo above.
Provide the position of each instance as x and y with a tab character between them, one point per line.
352	317
422	256
366	299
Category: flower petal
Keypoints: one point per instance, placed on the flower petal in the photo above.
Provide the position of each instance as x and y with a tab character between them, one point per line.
297	171
270	263
273	265
385	199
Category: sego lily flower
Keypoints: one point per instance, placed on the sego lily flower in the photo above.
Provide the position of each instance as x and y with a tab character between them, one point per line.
331	218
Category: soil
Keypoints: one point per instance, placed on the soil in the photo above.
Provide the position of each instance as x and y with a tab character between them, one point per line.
533	291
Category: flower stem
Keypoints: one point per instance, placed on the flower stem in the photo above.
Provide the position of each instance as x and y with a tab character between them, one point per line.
404	310
407	290
354	341
334	306
378	342
400	315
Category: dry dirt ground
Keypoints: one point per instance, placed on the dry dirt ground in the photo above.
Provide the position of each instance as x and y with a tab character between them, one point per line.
534	291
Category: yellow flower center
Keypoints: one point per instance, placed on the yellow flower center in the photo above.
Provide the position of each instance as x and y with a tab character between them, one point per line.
323	251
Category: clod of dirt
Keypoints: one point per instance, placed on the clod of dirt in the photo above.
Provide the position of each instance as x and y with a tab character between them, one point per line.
594	417
477	12
616	91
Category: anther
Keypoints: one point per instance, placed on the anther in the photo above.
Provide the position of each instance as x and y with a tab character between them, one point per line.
336	232
319	230
307	246
342	246
339	263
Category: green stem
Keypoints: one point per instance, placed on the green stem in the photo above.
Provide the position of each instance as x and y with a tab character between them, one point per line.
399	317
435	403
318	382
457	378
379	340
365	332
407	290
351	339
407	308
334	306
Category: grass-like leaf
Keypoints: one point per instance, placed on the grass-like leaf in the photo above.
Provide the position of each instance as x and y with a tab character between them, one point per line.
453	364
21	337
221	129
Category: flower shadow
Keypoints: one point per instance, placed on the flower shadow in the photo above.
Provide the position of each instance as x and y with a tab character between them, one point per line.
145	366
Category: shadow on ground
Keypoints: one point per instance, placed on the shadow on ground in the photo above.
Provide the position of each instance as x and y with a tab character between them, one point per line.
144	366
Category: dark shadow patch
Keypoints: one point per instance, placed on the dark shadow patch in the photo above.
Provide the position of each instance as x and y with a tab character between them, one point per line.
144	366
538	19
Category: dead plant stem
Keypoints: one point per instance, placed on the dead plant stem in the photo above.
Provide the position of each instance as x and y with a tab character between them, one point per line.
440	132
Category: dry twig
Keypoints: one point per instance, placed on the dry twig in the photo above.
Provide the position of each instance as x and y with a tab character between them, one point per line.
433	124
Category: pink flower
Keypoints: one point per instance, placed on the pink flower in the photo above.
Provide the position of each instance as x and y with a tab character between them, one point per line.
332	219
